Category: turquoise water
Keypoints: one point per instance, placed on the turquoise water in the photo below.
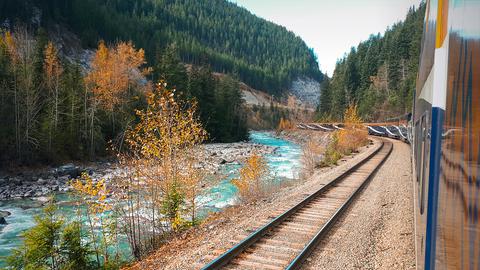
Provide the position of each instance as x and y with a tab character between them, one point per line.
22	218
284	163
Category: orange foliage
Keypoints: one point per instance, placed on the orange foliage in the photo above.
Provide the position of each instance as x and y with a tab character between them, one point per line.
285	124
52	66
12	47
113	71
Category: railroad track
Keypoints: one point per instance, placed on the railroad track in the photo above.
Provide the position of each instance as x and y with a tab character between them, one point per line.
286	241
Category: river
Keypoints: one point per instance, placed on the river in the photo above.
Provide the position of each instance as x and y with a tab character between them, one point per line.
283	164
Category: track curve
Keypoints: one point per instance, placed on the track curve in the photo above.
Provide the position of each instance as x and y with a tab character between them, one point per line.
286	241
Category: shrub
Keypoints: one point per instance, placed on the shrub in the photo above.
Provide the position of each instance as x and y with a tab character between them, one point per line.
354	135
51	244
348	140
285	124
312	152
332	154
250	185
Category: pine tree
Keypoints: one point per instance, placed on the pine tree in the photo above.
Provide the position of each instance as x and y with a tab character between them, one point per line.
325	97
170	69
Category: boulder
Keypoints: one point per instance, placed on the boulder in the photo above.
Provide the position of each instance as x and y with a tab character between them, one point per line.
41	181
17	181
29	193
3	215
68	169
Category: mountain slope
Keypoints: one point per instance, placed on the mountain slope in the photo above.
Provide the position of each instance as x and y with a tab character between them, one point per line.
231	39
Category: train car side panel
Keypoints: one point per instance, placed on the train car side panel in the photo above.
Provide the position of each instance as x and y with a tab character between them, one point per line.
458	229
422	129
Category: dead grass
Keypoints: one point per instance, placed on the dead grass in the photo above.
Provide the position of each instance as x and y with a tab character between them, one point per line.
311	157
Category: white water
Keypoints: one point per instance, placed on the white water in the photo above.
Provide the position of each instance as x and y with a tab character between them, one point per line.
284	163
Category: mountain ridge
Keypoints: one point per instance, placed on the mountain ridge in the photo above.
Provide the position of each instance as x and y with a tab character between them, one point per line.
226	36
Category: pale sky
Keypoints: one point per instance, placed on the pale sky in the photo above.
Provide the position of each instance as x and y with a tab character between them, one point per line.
331	27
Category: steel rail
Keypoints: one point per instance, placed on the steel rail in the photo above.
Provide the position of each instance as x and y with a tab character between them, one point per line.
297	262
233	252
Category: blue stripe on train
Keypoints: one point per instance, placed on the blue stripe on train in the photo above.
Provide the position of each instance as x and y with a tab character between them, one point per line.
438	116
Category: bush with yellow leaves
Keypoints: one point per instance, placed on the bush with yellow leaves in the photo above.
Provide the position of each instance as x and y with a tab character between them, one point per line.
346	141
354	135
250	184
284	124
98	213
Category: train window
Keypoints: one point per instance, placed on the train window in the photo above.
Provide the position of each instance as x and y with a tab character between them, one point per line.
423	161
417	143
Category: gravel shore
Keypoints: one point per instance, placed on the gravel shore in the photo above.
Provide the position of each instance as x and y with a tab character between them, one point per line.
377	231
44	181
196	247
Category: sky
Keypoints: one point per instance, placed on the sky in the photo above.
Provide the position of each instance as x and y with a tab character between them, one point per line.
331	27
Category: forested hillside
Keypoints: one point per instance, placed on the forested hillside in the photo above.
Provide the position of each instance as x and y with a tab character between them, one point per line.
379	75
229	38
52	110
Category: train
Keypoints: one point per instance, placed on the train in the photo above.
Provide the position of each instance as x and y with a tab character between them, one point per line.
445	130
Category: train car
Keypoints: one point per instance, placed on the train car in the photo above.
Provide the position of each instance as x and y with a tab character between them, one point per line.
446	137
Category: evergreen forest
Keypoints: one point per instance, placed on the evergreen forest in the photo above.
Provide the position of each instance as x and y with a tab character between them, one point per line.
229	38
52	110
379	75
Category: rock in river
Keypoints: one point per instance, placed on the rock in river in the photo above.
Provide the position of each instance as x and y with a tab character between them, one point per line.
3	214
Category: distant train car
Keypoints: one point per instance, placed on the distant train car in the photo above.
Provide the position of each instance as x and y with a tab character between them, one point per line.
392	132
446	137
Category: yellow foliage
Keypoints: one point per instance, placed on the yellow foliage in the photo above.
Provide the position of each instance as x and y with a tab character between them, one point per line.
351	117
93	194
251	175
113	72
166	128
52	65
354	135
165	148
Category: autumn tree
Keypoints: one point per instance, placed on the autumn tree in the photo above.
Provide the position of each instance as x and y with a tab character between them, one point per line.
163	177
53	71
113	72
284	124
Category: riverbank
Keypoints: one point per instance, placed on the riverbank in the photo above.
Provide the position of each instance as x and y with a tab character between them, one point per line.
216	194
41	182
197	246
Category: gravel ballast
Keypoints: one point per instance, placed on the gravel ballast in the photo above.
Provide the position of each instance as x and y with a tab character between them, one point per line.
377	231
